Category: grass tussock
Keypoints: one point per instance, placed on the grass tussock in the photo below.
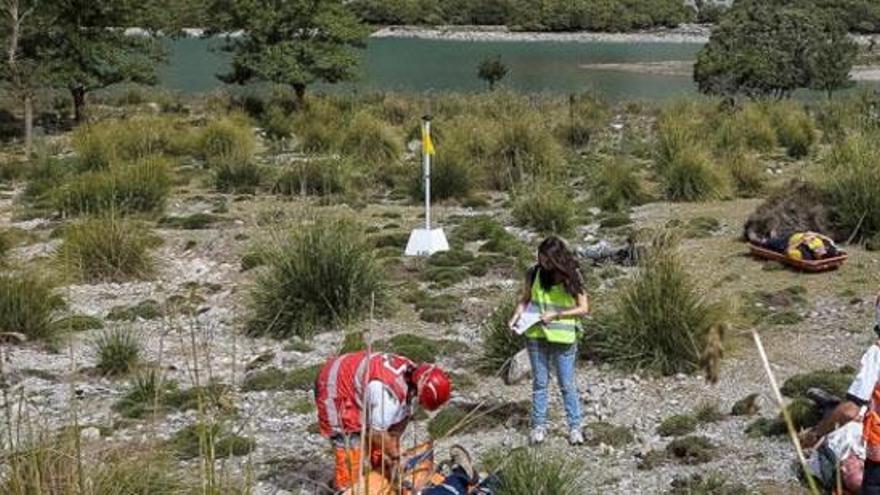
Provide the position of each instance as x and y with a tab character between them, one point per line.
106	249
746	173
617	186
325	274
750	127
853	184
316	129
317	177
794	129
125	188
546	207
536	471
209	440
227	141
237	177
102	144
28	305
371	140
499	343
453	175
118	351
525	148
661	319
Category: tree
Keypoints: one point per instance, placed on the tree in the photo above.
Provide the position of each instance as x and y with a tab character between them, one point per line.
20	69
771	48
85	45
291	42
492	70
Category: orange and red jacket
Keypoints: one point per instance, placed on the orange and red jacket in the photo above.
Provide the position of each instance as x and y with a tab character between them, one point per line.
339	389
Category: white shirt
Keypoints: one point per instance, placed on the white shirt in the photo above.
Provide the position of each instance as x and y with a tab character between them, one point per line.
384	410
863	386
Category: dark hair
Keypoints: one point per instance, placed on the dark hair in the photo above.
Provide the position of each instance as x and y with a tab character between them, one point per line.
563	265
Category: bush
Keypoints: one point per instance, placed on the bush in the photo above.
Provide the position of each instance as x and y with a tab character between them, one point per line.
118	351
100	145
209	440
599	432
691	177
228	141
617	187
712	484
587	117
853	184
148	309
28	305
749	128
536	471
145	397
324	275
196	221
545	207
453	175
275	379
835	382
126	188
371	140
525	148
794	129
677	425
106	249
317	128
500	344
661	319
237	177
315	177
277	123
747	174
692	449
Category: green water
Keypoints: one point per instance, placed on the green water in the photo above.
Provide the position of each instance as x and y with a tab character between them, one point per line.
430	65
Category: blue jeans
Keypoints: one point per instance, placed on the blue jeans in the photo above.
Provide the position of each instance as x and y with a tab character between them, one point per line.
542	355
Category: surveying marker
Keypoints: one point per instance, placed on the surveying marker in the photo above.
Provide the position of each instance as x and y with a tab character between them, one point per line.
426	241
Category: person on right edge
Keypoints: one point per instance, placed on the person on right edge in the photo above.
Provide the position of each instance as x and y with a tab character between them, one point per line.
864	392
555	289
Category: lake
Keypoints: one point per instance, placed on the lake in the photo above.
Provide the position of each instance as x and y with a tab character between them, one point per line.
419	65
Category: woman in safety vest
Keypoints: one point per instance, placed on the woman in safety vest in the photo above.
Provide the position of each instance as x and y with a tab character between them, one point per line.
554	288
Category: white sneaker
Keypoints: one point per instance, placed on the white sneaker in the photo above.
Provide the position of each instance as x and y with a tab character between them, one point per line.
538	434
576	437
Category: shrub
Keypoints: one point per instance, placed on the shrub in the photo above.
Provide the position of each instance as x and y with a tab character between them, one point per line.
500	344
677	425
747	174
599	432
316	177
677	128
196	221
106	249
118	352
276	379
317	128
325	274
661	319
794	129
420	349
100	145
692	449
587	116
148	309
126	188
28	305
145	396
536	471
691	177
237	177
371	140
852	181
749	128
208	440
228	141
525	148
617	187
453	175
835	382
711	484
545	207
277	123
78	323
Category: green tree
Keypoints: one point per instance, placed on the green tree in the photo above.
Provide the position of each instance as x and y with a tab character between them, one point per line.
771	48
85	47
492	70
292	42
20	68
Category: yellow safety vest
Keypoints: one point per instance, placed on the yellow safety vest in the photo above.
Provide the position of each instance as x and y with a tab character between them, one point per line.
560	330
811	240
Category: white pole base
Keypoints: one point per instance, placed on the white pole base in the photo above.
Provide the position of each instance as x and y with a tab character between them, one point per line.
424	242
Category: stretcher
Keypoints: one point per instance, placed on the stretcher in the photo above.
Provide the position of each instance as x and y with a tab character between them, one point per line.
418	470
812	266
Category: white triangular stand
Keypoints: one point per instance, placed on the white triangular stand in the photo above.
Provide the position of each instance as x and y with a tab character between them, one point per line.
424	242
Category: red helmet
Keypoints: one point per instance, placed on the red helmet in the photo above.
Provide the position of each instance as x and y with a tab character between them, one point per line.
432	386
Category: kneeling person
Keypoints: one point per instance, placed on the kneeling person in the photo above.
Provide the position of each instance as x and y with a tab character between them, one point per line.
385	384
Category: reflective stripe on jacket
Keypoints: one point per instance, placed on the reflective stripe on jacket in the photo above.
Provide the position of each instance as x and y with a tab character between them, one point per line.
560	330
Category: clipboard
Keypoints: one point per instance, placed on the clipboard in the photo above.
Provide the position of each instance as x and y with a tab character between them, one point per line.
529	318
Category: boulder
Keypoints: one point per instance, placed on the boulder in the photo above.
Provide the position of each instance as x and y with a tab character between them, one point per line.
520	368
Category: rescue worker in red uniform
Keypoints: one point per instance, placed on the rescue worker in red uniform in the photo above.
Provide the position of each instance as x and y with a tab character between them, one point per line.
385	385
863	395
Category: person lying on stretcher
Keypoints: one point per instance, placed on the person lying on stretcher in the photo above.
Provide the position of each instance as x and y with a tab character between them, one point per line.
799	245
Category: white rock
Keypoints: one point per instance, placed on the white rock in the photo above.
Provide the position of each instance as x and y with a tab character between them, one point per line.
519	368
90	433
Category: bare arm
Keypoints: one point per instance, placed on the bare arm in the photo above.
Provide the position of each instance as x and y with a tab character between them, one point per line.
524	298
581	309
845	412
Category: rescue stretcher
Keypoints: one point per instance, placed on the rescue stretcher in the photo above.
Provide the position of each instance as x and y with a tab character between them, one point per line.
811	266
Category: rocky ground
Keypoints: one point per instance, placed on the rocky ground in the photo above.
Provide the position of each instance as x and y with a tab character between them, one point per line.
207	343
